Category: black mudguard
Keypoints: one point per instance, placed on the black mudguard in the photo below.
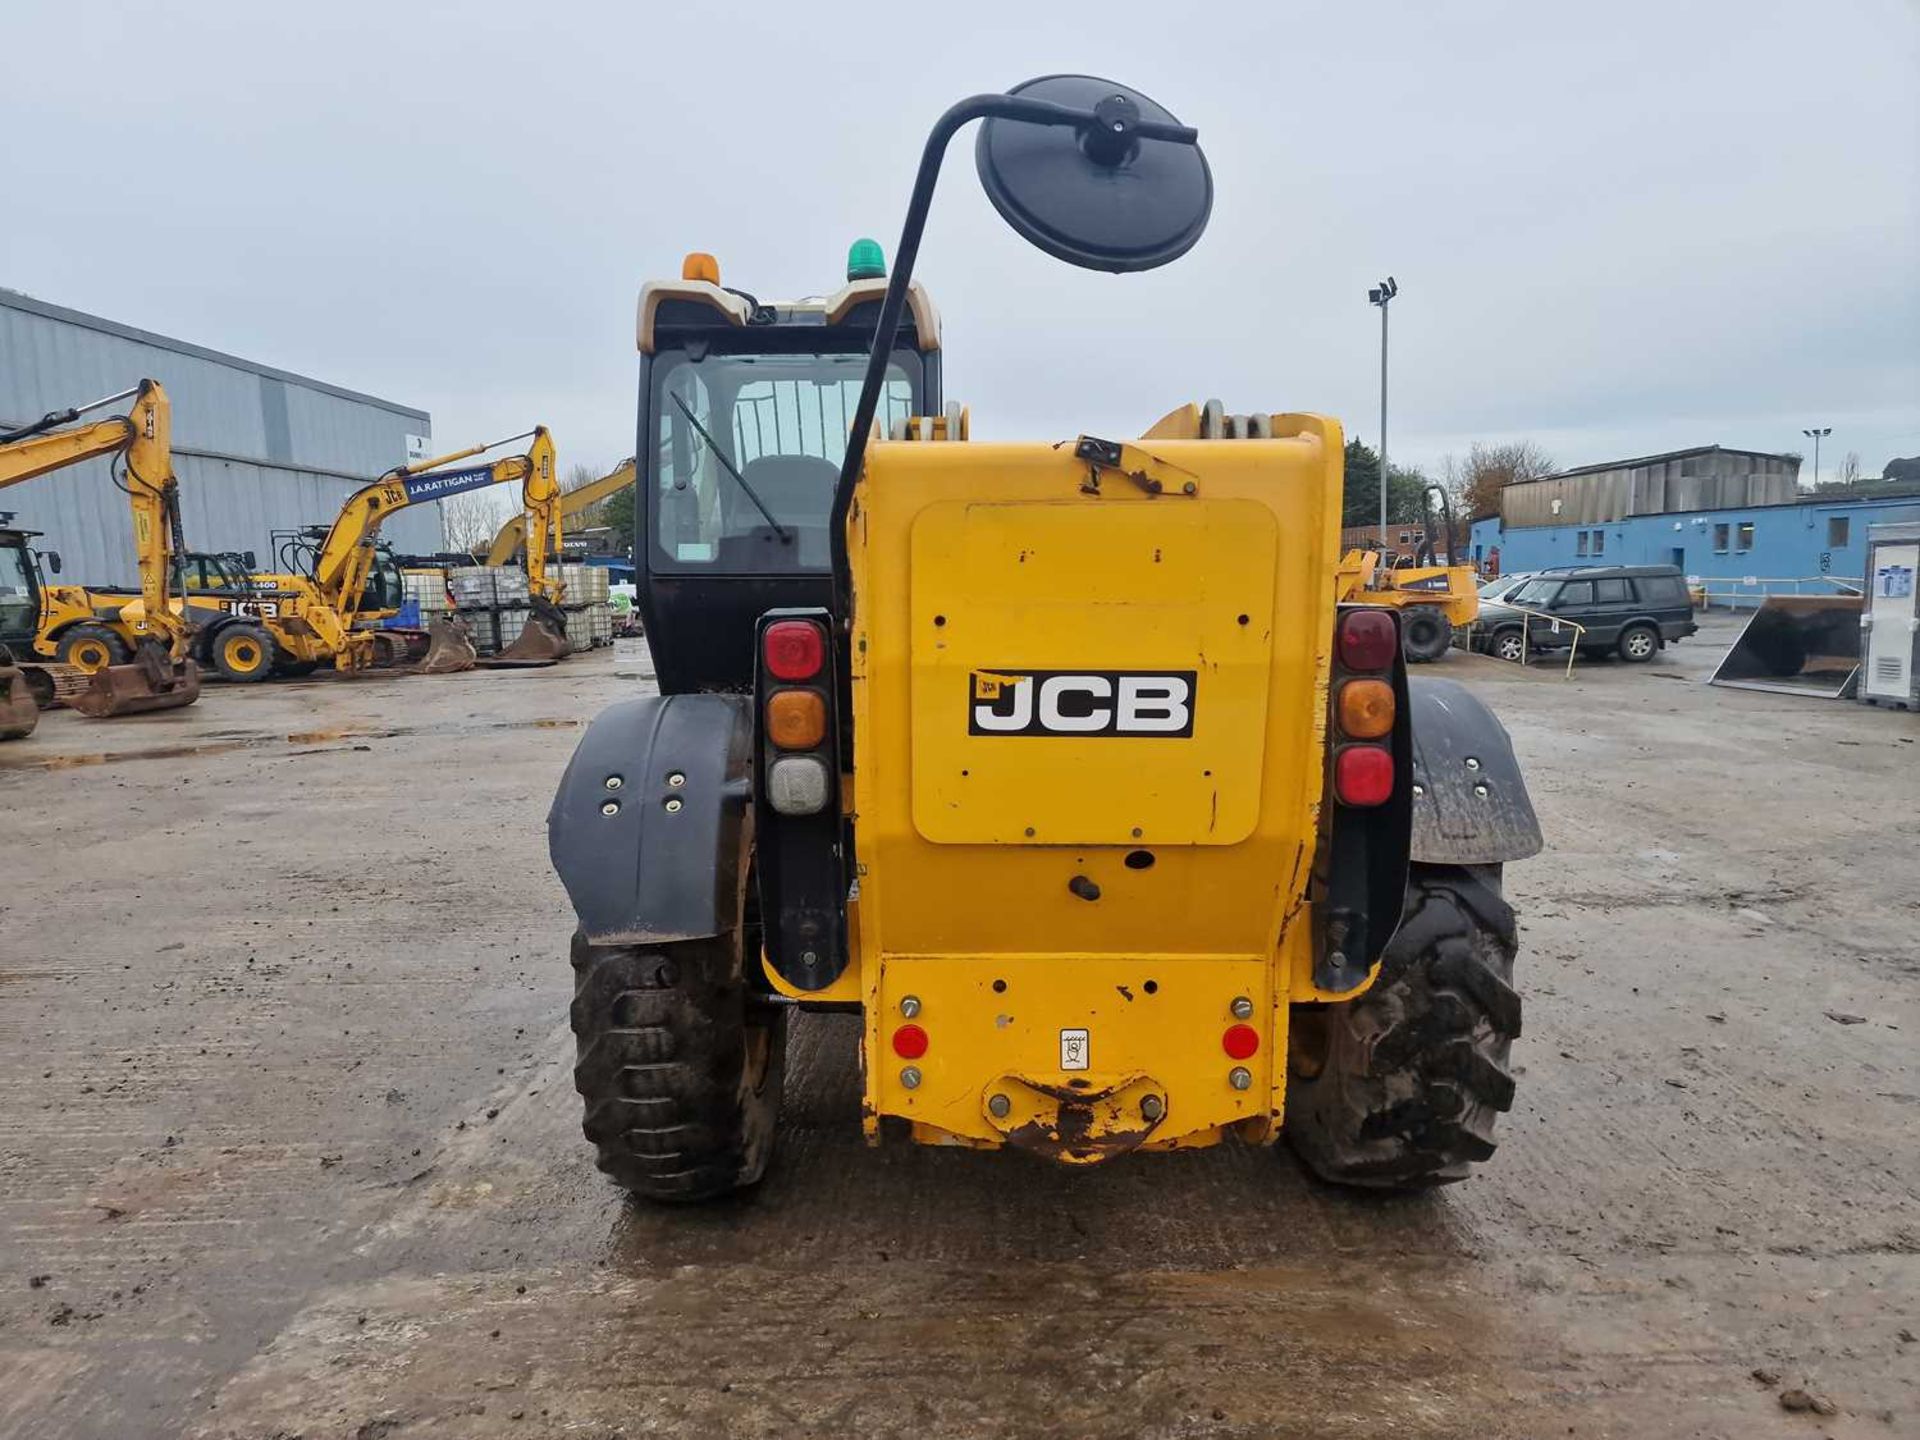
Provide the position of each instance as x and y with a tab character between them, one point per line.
639	867
1470	804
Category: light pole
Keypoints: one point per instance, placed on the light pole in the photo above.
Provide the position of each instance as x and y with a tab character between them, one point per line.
1817	436
1380	295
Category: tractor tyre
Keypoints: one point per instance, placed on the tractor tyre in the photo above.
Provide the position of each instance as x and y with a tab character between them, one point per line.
680	1064
92	647
1399	1089
1425	634
242	653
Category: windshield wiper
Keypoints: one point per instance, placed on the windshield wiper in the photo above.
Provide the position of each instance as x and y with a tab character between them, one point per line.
786	537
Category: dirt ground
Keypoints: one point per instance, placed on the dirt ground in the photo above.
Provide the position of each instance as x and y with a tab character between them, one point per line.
289	1147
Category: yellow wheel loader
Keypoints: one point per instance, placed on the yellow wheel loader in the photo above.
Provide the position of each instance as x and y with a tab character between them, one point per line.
138	661
312	610
1064	763
1433	599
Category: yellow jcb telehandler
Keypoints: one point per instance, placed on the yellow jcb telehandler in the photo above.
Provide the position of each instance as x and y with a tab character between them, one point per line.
1063	763
140	662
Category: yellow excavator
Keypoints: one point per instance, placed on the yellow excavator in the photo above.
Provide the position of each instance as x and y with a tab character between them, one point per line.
311	611
1433	599
513	534
143	659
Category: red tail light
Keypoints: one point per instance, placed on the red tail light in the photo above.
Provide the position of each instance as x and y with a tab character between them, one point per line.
1367	639
1363	775
1242	1042
909	1042
793	649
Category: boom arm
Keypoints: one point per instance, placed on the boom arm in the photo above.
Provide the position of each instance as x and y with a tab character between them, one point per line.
572	503
340	570
144	437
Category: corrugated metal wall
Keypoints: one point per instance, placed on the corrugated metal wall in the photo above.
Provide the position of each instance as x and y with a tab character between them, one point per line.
256	449
1708	480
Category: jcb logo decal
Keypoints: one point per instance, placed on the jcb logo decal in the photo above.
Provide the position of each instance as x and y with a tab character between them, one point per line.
266	609
1081	702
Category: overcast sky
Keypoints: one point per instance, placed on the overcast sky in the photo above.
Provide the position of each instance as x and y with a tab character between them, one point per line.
1618	229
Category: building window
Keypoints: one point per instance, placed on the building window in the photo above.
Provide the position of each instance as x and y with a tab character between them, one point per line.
1580	542
1720	539
1405	538
1599	542
1837	527
1744	541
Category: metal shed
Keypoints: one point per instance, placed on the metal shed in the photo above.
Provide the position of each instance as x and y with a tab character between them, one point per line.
256	449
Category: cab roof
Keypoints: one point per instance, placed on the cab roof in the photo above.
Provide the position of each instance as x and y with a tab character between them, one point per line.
669	305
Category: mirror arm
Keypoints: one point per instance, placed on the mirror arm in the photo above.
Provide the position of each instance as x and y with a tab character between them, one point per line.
975	107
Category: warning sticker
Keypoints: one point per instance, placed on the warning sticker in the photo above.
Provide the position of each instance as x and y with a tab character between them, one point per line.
1074	1050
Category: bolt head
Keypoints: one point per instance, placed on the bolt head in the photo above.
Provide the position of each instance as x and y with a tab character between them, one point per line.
910	1006
612	807
999	1106
673	807
1472	763
910	1077
614	782
1240	1078
1481	791
1242	1008
676	780
1152	1107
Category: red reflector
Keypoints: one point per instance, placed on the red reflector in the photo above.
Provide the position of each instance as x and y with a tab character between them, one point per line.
909	1042
1367	639
1240	1041
1363	775
794	649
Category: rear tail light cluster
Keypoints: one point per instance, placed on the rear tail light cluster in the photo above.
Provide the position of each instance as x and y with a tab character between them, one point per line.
1364	708
794	722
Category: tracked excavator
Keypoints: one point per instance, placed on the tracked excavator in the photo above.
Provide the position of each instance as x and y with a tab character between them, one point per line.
312	610
513	535
145	659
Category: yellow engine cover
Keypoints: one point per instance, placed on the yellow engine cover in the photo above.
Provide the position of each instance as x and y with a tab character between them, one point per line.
1162	717
1090	723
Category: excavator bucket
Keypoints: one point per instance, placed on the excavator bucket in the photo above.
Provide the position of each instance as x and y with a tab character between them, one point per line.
1797	645
542	641
18	713
449	647
150	682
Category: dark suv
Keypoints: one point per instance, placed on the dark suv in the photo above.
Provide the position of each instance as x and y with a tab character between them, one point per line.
1631	610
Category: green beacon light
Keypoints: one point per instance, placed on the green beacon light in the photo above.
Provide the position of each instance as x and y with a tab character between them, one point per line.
865	261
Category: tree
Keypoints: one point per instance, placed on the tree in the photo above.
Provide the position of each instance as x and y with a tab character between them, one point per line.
1849	475
1474	484
469	521
617	515
1360	502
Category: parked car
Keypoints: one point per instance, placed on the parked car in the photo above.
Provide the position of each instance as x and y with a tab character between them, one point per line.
1502	586
1633	611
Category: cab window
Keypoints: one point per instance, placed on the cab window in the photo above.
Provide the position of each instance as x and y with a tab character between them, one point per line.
1573	593
746	452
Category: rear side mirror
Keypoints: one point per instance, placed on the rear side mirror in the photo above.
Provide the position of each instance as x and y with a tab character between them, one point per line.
246	558
1089	171
54	562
